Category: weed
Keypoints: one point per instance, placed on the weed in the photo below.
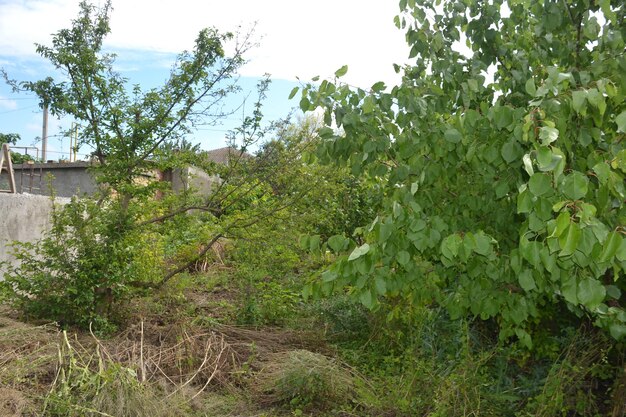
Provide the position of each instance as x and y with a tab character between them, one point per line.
268	302
569	385
300	379
90	385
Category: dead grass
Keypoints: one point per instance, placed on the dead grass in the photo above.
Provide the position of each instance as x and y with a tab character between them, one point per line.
12	403
176	366
165	362
303	379
27	354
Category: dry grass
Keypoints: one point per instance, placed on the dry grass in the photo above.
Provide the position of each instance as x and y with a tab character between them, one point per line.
303	379
12	403
28	354
149	366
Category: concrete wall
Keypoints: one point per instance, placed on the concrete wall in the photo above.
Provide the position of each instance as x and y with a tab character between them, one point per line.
23	217
75	179
68	179
193	178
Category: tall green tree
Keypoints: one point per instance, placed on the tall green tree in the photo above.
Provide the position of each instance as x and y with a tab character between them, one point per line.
503	200
10	138
136	232
125	125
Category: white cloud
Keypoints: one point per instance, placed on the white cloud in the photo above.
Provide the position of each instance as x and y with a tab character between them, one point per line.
296	38
32	21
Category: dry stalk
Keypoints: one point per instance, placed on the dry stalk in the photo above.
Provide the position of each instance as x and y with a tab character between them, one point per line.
207	350
141	362
215	368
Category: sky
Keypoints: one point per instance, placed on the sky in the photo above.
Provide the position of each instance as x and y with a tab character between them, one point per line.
297	40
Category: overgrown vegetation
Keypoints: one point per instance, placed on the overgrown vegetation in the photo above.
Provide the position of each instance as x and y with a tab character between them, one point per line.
11	139
447	247
502	200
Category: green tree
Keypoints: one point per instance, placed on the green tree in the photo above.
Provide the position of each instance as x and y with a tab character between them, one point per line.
123	124
502	200
336	200
11	139
136	232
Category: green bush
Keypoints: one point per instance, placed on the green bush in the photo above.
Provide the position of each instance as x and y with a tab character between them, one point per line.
81	267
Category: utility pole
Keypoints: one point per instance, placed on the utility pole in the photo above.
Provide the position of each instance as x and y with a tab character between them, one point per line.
44	134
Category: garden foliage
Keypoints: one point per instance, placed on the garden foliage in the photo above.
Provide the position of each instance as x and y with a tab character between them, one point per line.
502	199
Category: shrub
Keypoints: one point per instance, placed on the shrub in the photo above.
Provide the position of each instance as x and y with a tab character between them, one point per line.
81	267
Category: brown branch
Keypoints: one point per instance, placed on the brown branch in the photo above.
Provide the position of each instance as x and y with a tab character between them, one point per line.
221	74
172	214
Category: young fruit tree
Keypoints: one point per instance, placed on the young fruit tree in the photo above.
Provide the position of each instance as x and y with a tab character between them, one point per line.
136	232
502	154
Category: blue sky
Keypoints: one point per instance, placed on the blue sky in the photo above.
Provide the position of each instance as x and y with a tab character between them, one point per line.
20	113
296	39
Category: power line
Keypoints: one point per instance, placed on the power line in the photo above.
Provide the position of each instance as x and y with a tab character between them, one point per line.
22	108
19	98
213	130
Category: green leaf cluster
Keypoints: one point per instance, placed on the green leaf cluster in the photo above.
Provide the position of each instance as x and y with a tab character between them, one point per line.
499	199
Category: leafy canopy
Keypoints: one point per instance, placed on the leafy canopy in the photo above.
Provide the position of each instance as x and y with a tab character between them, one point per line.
502	199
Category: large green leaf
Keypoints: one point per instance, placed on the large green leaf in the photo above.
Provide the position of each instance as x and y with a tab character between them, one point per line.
621	122
337	242
385	231
530	87
403	257
603	172
511	151
618	331
293	92
314	242
328	276
503	116
568	241
531	251
597	100
453	136
483	244
528	164
548	135
540	184
569	289
341	71
367	299
590	292
575	185
450	246
380	285
562	223
359	251
578	101
610	247
526	280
